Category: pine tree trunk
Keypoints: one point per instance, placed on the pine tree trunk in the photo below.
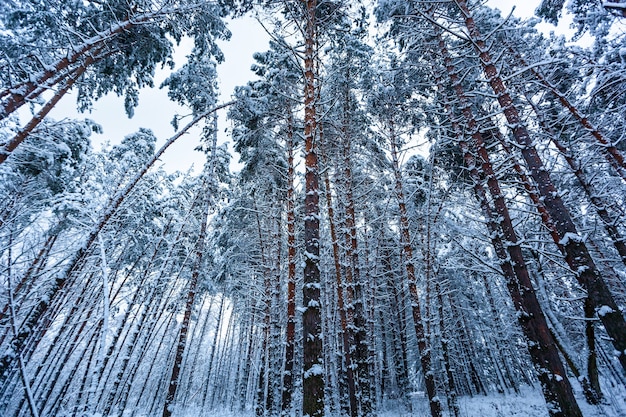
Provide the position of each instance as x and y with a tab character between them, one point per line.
25	284
593	392
577	253
451	389
599	203
347	376
354	286
190	301
288	384
209	371
418	320
313	379
7	148
13	324
548	367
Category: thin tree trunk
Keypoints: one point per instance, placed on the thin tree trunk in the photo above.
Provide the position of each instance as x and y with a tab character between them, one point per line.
354	286
290	344
189	305
200	334
205	190
418	320
220	373
29	394
347	341
263	380
209	370
26	283
451	394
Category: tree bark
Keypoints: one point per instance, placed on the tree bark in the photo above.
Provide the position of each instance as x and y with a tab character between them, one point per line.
346	339
599	203
418	320
288	385
544	354
193	285
313	379
577	253
7	148
354	286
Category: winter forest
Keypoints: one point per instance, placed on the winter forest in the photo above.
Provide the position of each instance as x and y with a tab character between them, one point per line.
427	218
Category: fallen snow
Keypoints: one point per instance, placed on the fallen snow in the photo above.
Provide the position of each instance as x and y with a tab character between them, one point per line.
529	403
604	310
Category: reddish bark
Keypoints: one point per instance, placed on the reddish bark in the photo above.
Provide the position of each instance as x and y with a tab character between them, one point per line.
10	146
346	334
543	351
577	253
313	381
418	320
599	203
291	274
192	288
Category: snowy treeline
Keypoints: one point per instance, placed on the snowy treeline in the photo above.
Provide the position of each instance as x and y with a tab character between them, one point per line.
429	217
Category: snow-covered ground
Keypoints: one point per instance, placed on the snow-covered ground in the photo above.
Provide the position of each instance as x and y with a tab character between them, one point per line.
529	403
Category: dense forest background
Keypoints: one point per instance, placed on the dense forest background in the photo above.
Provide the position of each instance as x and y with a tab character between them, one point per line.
428	218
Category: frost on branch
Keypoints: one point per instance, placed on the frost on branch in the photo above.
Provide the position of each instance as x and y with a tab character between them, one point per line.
313	371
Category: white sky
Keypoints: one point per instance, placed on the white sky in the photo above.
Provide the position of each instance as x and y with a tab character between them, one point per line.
155	111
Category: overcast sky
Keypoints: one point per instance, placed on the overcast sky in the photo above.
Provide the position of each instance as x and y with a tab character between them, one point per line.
155	111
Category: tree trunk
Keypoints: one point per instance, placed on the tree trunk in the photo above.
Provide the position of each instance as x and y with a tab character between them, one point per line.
10	146
288	384
313	379
451	394
593	391
544	354
354	286
347	341
599	203
577	254
418	320
191	291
